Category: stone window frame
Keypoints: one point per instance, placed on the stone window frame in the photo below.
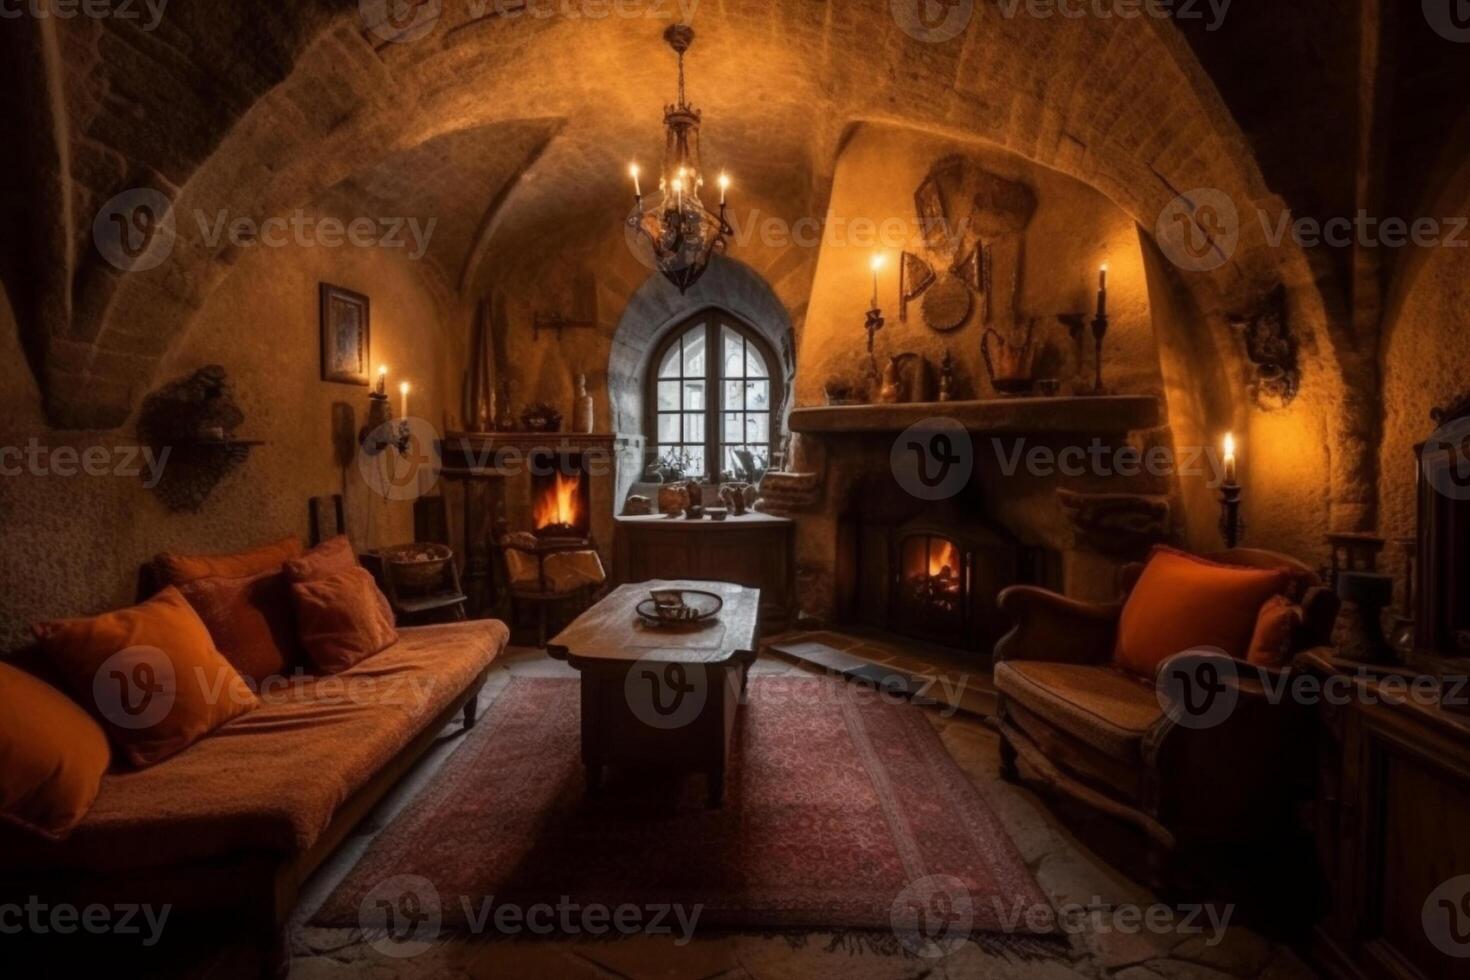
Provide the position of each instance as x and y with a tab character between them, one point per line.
713	319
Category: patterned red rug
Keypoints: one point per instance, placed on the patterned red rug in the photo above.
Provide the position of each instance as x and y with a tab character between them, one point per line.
842	811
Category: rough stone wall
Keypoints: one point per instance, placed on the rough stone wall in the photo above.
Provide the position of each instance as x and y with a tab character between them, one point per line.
74	544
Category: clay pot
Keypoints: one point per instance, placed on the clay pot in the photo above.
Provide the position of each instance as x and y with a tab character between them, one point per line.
672	500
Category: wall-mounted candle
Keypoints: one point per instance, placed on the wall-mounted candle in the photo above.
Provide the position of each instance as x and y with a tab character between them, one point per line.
1102	292
403	390
637	185
383	379
679	190
724	187
877	267
1231	470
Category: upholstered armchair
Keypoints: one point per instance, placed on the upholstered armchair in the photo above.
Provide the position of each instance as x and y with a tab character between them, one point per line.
1101	734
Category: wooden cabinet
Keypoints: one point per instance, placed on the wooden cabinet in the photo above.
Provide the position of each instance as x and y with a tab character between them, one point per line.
754	551
1393	808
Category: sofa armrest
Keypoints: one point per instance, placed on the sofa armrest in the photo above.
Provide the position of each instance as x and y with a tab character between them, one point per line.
1253	732
1051	627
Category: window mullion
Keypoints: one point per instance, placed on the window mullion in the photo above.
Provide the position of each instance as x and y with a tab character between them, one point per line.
714	400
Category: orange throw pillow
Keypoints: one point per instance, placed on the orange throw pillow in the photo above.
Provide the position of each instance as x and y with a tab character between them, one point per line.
343	619
250	620
1276	627
328	558
151	674
52	756
1182	602
179	569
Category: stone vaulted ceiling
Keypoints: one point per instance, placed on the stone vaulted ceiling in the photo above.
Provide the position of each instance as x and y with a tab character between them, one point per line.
512	129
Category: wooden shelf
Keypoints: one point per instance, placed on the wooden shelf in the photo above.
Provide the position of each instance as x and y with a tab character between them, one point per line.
1107	414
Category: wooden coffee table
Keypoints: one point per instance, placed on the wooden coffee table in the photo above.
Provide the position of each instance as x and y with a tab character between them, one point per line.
661	697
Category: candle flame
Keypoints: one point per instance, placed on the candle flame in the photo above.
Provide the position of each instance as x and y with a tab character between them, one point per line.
1230	445
404	388
634	170
382	370
878	261
724	182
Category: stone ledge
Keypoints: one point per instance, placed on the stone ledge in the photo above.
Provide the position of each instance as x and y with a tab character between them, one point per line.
1109	414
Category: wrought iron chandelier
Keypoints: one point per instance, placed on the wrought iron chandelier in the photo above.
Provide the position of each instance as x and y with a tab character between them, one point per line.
683	233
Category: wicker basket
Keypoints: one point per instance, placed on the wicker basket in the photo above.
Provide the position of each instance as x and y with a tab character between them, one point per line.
417	567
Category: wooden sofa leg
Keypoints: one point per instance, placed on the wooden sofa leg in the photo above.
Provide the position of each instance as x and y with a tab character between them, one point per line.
471	712
1008	769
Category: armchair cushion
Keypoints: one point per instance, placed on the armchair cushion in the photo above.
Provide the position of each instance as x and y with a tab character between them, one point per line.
1109	708
1182	602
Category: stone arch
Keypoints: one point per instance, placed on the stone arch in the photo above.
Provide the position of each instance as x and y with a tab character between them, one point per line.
657	307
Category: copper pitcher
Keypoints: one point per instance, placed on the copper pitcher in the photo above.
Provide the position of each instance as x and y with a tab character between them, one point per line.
1010	364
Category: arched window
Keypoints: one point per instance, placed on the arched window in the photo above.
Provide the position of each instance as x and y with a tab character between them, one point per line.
713	417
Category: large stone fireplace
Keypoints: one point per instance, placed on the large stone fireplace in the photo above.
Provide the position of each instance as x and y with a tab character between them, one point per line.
872	552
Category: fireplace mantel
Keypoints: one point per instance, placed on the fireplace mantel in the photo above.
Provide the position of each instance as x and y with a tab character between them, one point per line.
1103	415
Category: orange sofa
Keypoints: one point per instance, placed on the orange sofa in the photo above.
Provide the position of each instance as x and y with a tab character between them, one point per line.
239	820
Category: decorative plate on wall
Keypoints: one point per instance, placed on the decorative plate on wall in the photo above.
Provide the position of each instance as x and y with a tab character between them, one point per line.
947	304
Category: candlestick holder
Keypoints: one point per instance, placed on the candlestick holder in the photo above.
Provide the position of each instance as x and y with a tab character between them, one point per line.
1099	333
380	421
1232	528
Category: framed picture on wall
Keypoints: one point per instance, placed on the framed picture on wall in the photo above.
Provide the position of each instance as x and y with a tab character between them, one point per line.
346	336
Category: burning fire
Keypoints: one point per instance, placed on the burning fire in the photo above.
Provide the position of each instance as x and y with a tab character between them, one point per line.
560	505
944	559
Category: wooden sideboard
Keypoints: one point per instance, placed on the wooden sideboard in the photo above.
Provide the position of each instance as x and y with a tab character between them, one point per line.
755	550
1392	829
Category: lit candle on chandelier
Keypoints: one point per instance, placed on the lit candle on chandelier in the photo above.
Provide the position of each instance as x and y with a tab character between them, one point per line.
383	379
1231	470
1102	291
877	266
724	187
679	191
403	390
637	185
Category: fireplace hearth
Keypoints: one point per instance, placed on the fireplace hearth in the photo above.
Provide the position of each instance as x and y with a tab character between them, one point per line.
933	575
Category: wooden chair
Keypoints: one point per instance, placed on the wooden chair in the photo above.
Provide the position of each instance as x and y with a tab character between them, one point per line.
542	593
